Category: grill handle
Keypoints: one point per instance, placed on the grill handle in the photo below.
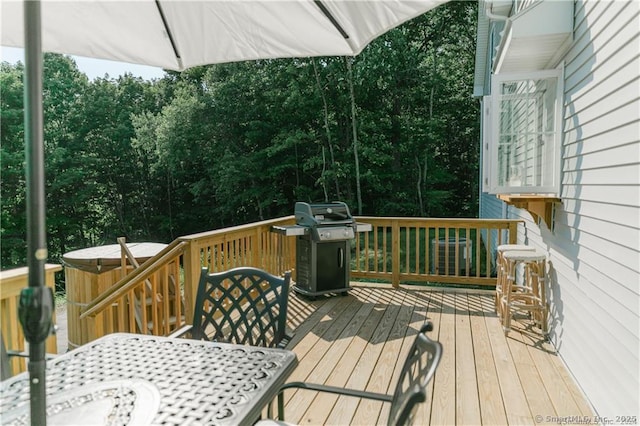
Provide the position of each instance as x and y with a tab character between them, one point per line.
341	258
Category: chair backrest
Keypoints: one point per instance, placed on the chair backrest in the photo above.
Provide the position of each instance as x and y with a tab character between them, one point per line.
418	369
242	305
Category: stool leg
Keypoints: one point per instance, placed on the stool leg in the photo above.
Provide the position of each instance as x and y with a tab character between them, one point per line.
544	309
535	289
496	297
506	297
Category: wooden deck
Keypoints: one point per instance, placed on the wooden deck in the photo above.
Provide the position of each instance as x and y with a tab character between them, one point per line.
360	341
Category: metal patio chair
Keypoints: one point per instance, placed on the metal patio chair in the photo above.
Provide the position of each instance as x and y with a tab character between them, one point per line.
242	305
411	388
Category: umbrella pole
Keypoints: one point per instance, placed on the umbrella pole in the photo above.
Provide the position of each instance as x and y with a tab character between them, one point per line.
36	301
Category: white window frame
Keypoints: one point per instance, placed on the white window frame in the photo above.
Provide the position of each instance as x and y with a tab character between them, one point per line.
491	127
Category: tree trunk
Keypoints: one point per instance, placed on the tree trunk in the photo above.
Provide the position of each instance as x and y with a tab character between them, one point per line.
323	182
419	186
354	128
169	185
328	133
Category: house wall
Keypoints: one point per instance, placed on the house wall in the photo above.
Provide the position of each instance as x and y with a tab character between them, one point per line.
594	248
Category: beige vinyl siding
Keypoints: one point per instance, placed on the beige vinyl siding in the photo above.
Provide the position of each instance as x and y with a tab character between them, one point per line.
594	247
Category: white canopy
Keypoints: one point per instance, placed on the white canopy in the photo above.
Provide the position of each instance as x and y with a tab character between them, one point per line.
176	34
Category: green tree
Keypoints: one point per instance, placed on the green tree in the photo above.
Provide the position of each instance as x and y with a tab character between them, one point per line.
392	131
12	159
108	129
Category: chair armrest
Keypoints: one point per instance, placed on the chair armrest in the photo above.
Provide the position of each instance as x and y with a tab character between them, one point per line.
338	390
330	389
181	331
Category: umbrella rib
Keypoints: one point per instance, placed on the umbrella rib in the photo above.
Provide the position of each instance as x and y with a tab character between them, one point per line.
168	30
328	14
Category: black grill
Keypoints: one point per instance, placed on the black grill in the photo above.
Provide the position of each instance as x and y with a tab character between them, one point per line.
323	254
323	251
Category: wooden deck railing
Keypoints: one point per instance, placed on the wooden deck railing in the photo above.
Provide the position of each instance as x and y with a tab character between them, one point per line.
245	245
148	300
414	250
12	281
158	296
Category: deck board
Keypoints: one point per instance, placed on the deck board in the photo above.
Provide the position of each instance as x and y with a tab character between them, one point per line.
443	406
360	341
319	343
362	378
491	406
428	308
381	378
530	379
467	396
331	372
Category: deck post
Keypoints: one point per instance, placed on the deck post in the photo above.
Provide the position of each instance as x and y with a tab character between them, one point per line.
257	246
395	253
192	268
513	232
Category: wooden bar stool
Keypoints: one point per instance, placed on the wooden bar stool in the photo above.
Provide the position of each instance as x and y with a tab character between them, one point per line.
501	270
529	296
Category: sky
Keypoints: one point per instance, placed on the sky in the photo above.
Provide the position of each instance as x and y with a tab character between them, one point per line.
93	68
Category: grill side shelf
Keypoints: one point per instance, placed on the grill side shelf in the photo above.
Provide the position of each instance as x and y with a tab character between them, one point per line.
293	230
290	231
363	227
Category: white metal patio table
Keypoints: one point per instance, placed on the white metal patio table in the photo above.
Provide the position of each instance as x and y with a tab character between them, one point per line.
123	379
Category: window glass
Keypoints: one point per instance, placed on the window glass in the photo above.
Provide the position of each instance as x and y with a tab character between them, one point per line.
524	146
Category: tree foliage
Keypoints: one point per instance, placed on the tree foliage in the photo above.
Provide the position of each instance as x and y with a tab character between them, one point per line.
394	129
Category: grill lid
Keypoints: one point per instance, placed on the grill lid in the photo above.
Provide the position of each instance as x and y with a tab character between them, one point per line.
323	214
